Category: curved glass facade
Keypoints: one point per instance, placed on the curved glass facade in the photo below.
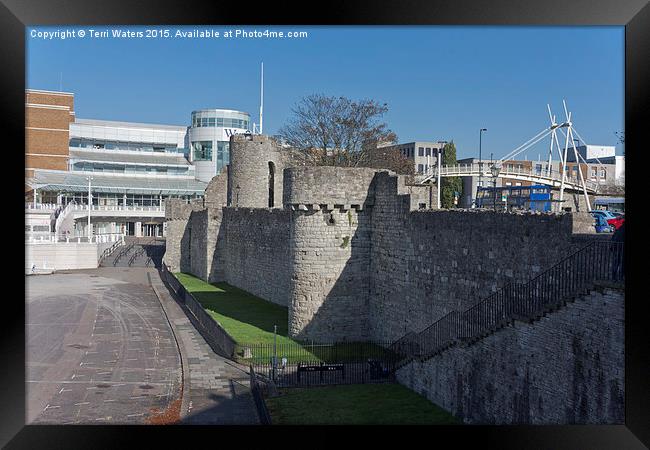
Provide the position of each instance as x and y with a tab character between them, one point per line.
209	139
220	118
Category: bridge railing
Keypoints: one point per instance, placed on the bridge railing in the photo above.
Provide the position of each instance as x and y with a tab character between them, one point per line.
483	169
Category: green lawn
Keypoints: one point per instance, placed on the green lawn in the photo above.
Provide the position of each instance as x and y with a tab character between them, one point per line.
249	320
245	317
361	404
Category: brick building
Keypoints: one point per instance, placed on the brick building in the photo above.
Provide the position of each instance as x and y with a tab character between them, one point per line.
47	131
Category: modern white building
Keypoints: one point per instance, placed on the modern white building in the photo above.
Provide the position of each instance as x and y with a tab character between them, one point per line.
592	152
209	139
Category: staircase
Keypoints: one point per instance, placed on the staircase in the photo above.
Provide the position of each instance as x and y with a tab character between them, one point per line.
569	279
137	252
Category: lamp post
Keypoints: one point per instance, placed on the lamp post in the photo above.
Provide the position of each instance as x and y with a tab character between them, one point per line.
439	167
480	163
90	196
495	173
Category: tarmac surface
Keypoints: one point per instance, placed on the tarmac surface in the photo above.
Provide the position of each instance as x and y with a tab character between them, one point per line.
99	349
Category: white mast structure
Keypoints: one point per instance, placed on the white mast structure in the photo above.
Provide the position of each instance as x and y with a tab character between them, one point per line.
569	138
262	100
554	144
258	128
552	131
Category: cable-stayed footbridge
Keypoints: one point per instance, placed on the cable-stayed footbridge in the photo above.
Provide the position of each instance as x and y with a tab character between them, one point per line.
559	179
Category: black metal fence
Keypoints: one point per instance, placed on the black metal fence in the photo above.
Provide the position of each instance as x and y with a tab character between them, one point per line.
311	364
573	276
258	397
214	335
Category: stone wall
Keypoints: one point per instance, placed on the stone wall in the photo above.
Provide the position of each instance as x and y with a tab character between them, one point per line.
329	186
424	264
256	251
178	233
355	256
250	160
567	367
330	252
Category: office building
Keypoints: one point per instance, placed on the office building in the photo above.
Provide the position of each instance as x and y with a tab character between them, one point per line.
423	154
129	168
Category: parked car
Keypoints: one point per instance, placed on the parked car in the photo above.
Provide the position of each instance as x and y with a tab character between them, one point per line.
601	224
616	222
602	212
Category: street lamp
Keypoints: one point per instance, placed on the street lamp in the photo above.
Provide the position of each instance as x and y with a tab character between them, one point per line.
495	173
480	164
90	196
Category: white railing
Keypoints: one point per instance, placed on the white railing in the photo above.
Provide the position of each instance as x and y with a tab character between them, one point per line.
77	207
484	169
59	220
41	205
95	239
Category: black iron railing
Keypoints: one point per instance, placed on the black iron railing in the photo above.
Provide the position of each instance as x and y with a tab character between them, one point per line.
258	397
216	337
300	363
123	252
572	276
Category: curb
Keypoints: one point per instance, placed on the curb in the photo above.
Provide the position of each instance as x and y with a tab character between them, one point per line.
185	372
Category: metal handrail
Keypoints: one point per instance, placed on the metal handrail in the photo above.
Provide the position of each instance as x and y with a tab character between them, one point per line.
123	252
110	250
484	169
598	261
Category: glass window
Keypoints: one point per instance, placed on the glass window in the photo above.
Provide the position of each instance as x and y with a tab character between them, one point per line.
428	151
603	174
202	150
219	121
211	121
421	151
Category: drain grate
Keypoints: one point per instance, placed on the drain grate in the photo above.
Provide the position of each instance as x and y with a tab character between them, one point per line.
78	346
103	385
146	386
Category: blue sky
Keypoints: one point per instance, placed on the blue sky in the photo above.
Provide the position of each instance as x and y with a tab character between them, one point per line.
440	82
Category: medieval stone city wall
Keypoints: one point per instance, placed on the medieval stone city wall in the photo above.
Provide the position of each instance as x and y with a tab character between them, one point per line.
255	254
567	367
329	251
358	254
257	162
179	234
428	263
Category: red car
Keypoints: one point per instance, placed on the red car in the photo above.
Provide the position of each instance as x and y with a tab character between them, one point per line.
616	222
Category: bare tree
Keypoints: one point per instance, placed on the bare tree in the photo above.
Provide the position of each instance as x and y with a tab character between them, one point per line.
336	131
388	158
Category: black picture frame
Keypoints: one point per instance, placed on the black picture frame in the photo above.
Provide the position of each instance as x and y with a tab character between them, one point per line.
15	15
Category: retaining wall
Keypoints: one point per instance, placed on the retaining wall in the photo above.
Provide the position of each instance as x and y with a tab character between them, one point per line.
567	367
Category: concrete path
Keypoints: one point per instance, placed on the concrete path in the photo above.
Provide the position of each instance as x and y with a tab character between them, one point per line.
99	349
216	390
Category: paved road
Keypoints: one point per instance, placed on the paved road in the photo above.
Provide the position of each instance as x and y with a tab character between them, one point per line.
99	348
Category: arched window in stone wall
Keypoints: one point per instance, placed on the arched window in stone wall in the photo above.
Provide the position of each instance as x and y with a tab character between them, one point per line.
271	183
